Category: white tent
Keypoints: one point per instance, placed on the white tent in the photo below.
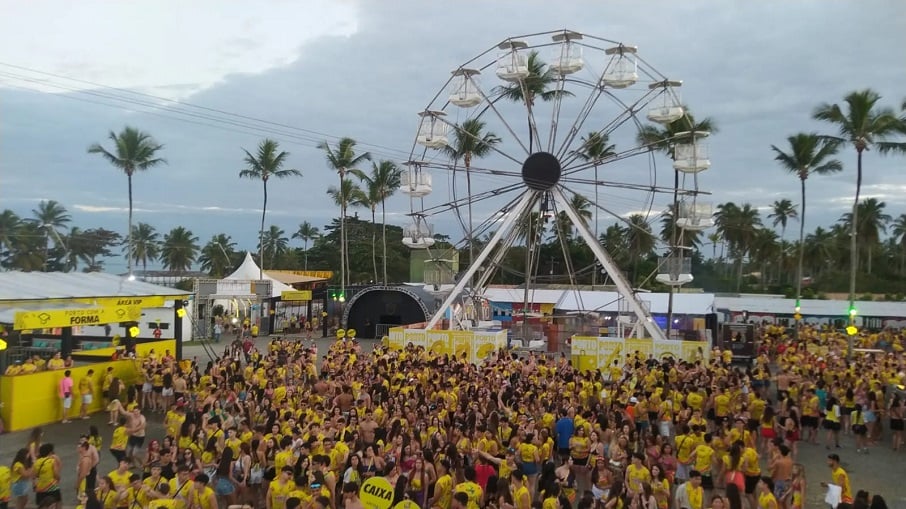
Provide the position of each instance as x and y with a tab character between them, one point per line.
249	271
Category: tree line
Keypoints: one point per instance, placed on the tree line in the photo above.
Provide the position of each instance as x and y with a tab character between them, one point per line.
743	252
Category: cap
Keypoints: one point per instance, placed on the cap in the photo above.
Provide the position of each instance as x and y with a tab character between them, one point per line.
633	399
834	456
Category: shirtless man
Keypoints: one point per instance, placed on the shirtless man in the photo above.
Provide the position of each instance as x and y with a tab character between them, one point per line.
351	496
94	455
345	400
136	430
84	468
367	427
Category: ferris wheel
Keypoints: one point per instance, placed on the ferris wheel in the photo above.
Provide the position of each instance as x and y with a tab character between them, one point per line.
525	131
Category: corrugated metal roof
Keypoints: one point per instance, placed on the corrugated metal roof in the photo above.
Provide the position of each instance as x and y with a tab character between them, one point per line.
809	307
683	303
18	286
536	296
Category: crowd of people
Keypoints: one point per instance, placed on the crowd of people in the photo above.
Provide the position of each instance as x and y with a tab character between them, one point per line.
293	427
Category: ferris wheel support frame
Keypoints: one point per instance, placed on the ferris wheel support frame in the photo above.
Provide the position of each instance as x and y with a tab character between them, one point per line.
623	287
508	223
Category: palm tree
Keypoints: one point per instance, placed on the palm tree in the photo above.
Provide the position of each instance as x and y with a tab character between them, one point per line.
664	139
382	183
640	241
809	155
739	227
9	223
898	232
470	140
862	124
369	198
872	222
133	150
274	243
26	245
216	256
343	159
52	218
343	196
714	239
179	249
145	244
305	233
781	212
266	165
539	84
596	148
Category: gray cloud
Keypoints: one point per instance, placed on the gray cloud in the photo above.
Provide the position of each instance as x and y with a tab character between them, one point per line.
758	68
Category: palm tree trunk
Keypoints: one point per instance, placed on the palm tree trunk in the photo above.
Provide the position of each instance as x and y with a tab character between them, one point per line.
868	261
129	232
467	162
853	246
384	240
594	272
672	249
374	244
801	245
739	273
342	173
261	235
306	255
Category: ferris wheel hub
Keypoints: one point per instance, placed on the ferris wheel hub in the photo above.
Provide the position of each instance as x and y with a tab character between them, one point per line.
541	171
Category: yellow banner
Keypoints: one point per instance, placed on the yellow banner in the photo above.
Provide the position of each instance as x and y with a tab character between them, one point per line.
326	274
142	302
75	317
295	295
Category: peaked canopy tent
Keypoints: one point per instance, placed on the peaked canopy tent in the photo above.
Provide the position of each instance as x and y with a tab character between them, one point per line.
249	271
246	291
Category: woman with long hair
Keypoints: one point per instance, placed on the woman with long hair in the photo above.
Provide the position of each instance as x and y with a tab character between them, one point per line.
223	480
21	473
34	442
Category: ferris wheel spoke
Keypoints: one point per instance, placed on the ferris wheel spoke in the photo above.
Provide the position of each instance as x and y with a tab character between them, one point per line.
493	108
581	117
459	202
570	166
458	129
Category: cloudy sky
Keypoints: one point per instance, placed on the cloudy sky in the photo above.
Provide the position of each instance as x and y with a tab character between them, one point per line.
219	76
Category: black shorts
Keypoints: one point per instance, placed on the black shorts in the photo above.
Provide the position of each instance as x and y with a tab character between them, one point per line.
707	482
48	497
860	429
809	421
135	442
563	452
831	425
896	424
158	389
751	483
581	462
118	455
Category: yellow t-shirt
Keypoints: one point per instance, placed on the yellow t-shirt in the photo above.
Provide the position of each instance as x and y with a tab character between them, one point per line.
44	476
120	437
278	493
636	476
120	480
56	364
5	483
204	499
704	458
443	490
473	491
163	503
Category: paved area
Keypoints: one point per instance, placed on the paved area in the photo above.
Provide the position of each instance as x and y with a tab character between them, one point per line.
881	471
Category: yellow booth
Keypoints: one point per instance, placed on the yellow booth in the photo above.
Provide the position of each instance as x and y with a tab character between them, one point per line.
51	313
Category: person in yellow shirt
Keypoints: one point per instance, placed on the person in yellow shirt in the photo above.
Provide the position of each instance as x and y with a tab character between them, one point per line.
56	363
522	499
119	440
637	474
86	390
472	490
766	498
840	478
279	489
164	502
704	462
202	496
443	487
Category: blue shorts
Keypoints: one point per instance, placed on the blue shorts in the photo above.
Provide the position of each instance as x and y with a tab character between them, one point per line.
21	488
223	487
529	468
